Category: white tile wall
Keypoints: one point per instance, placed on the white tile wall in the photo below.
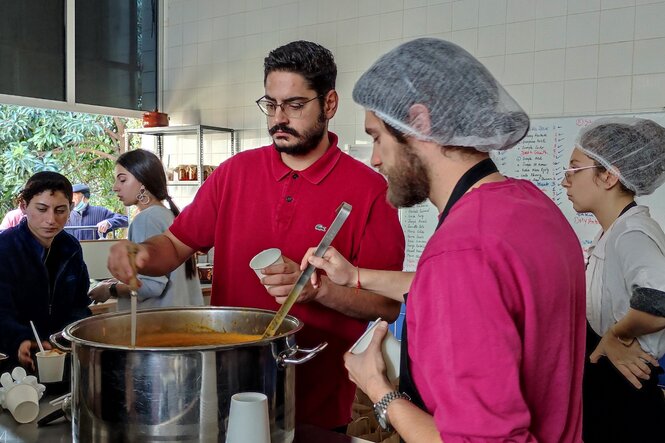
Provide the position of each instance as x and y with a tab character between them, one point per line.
554	56
648	91
579	96
550	8
521	10
491	41
548	98
520	36
582	62
650	21
519	69
582	29
614	94
577	6
610	31
645	62
550	33
615	59
549	65
492	12
465	14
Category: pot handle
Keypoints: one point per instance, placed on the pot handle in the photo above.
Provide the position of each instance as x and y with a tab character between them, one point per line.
54	340
286	357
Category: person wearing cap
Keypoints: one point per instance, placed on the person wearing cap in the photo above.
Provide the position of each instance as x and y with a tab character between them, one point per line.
85	214
614	161
493	340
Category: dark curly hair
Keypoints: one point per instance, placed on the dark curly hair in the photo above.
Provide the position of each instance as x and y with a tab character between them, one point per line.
46	181
312	61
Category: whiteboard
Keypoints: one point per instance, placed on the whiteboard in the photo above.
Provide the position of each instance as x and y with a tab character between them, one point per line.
541	157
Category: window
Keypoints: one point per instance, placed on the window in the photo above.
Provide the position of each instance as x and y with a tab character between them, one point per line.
114	61
32	48
116	47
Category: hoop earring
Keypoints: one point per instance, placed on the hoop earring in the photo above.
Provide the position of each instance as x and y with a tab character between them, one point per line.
143	197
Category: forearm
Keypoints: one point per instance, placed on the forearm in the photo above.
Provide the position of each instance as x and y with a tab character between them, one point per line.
357	303
164	256
391	284
637	323
412	423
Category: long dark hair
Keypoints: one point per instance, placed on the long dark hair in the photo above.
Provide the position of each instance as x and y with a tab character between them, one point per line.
148	169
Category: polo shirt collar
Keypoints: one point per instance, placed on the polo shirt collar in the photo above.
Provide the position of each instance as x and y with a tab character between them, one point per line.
316	172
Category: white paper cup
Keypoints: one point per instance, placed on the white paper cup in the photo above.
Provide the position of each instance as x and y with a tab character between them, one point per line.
50	366
23	403
390	348
264	259
248	419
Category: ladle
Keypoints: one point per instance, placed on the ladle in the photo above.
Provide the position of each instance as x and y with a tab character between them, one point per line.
342	213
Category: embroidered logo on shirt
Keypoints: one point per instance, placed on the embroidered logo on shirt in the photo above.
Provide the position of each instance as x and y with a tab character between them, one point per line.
320	227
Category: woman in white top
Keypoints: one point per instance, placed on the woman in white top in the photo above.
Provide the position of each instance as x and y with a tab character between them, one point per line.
140	181
614	161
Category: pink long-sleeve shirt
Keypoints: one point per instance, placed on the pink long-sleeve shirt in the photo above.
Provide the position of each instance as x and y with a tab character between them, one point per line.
496	320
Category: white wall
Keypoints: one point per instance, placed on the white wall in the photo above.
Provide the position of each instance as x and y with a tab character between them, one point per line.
556	57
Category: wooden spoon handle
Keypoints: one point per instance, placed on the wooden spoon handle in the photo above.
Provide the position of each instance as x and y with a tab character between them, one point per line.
132	249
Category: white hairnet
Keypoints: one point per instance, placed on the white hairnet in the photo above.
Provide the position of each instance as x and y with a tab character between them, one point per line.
633	148
467	106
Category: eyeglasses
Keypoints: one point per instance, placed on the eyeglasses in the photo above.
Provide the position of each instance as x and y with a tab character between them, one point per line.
292	109
570	171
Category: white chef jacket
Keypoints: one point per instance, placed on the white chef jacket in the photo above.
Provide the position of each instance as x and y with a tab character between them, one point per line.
630	254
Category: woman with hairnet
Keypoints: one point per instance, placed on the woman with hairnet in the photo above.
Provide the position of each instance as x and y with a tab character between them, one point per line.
493	341
614	161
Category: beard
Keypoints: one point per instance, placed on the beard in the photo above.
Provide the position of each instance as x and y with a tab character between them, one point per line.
408	181
307	142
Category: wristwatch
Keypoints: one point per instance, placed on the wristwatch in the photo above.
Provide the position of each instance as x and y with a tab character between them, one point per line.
113	290
381	408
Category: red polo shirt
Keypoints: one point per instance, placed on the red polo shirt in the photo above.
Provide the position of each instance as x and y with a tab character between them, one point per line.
252	202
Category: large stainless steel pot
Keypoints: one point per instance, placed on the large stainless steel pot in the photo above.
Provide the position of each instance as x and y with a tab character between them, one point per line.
178	394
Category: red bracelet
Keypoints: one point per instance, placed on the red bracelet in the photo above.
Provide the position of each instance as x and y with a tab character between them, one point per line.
358	279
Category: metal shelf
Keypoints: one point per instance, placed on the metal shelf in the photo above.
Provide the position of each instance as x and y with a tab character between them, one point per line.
168	131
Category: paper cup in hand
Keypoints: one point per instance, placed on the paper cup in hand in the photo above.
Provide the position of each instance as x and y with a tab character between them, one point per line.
264	259
248	419
390	349
23	402
50	366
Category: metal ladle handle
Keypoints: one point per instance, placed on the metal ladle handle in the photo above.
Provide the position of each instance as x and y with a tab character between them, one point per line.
342	214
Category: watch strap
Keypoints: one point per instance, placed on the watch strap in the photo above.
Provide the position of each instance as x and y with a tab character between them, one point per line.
381	408
113	290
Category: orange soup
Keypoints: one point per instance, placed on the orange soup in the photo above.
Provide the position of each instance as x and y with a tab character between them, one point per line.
177	339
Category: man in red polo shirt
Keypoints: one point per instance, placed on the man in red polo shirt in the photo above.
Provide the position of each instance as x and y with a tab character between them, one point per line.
285	195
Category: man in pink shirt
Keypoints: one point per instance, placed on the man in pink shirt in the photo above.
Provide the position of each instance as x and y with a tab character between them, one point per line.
285	195
493	342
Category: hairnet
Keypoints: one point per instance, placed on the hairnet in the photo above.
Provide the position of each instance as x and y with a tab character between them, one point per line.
632	148
467	106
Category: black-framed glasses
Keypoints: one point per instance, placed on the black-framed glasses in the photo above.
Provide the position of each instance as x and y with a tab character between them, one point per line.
292	109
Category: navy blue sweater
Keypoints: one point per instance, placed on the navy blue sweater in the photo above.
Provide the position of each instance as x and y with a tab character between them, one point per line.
90	216
26	292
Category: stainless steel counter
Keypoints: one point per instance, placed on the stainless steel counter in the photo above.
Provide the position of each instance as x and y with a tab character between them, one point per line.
61	430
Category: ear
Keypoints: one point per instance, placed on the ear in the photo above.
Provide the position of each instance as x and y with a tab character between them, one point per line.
22	206
419	118
609	180
330	103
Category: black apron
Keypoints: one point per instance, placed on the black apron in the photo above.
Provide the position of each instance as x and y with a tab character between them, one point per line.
470	177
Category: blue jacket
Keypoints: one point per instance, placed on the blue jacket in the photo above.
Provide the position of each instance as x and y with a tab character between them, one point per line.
90	216
25	290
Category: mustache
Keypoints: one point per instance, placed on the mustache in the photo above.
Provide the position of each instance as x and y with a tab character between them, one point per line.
283	128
